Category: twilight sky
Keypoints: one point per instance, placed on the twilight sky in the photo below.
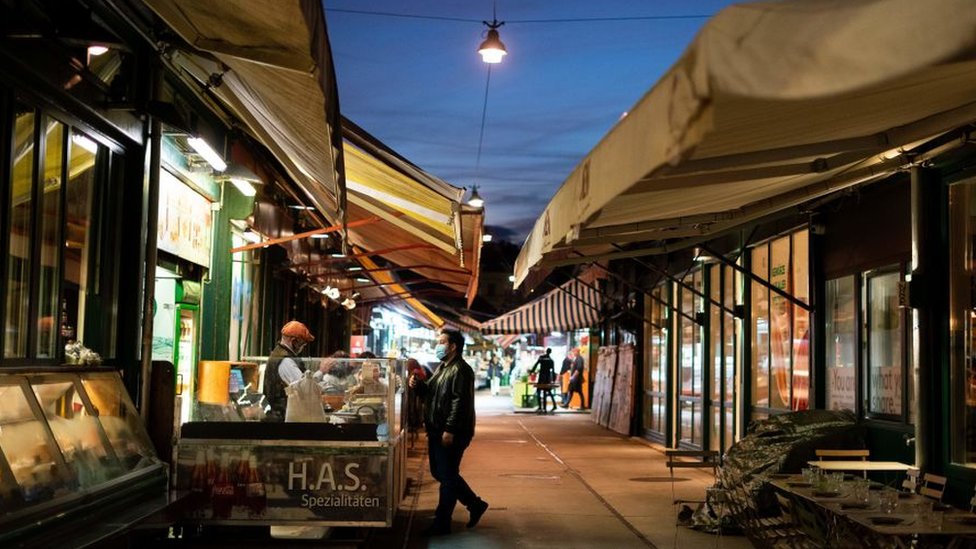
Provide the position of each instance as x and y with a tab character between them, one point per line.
418	85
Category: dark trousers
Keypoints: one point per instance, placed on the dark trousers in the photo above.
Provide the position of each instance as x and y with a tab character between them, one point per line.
540	395
445	466
569	396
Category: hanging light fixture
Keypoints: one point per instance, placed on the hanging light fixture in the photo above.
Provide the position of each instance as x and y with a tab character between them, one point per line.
492	49
475	200
204	149
251	235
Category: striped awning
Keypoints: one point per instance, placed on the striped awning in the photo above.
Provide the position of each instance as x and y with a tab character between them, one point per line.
462	323
506	340
572	306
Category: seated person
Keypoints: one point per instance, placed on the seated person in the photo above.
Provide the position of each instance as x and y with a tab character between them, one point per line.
368	381
334	374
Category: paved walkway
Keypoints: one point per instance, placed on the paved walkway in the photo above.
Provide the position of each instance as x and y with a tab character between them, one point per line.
557	481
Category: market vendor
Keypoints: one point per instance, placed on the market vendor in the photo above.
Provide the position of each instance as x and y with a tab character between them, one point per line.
283	369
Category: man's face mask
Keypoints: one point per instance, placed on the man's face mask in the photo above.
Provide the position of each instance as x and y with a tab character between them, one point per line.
440	351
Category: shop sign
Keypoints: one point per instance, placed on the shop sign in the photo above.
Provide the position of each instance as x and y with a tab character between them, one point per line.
886	390
284	484
841	388
185	219
357	344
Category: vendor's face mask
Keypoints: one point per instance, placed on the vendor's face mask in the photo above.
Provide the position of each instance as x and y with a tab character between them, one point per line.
440	351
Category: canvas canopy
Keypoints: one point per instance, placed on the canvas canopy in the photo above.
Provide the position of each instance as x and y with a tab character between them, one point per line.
571	306
277	77
426	229
772	105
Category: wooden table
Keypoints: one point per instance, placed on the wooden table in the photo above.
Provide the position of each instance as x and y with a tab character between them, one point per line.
859	465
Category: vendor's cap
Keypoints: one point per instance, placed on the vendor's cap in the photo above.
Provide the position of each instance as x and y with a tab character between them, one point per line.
297	330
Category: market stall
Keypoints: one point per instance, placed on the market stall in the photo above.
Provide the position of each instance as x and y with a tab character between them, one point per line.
341	466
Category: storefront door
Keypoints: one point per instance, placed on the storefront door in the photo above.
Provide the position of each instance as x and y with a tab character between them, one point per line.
724	354
656	359
690	359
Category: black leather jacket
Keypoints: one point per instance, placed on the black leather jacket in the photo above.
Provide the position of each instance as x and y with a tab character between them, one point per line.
449	399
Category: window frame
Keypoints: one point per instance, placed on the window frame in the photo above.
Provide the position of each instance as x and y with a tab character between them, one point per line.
109	160
756	412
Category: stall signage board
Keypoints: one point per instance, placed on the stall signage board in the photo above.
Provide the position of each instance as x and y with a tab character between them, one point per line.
185	219
286	484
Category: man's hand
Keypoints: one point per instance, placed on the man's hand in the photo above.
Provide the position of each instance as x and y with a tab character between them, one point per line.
412	382
447	439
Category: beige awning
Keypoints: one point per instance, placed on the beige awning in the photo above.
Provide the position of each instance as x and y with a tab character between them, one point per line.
773	104
426	229
381	181
279	81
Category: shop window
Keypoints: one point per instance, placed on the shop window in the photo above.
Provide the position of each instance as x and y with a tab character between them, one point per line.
690	357
20	231
242	276
884	333
724	359
842	344
49	240
656	349
962	320
780	328
78	235
49	235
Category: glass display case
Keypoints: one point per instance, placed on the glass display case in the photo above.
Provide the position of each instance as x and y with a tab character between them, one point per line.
64	435
337	463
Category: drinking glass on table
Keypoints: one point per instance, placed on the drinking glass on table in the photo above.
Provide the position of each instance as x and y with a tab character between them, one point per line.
837	481
808	474
888	501
931	516
860	489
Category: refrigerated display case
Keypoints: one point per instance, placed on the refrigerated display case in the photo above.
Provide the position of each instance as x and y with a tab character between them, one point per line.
344	470
69	440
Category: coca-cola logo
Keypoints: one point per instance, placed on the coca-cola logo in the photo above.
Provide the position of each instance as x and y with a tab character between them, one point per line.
223	490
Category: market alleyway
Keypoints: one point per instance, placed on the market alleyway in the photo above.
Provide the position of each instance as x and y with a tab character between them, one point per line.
556	481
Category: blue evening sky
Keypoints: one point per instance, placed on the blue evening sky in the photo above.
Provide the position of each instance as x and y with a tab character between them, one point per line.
418	85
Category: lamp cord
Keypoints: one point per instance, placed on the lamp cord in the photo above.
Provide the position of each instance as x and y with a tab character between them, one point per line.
481	137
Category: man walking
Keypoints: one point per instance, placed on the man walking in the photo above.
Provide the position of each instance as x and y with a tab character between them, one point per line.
449	420
575	382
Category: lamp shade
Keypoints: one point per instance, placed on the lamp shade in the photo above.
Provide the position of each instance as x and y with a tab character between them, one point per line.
475	200
492	50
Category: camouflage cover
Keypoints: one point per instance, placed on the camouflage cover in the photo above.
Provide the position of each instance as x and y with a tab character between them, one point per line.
780	444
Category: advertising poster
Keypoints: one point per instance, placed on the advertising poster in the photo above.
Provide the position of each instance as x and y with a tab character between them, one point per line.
284	484
185	221
841	388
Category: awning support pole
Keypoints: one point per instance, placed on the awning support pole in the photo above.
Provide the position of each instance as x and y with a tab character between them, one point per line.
400	283
408	295
604	295
307	234
681	283
397	268
759	280
656	298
